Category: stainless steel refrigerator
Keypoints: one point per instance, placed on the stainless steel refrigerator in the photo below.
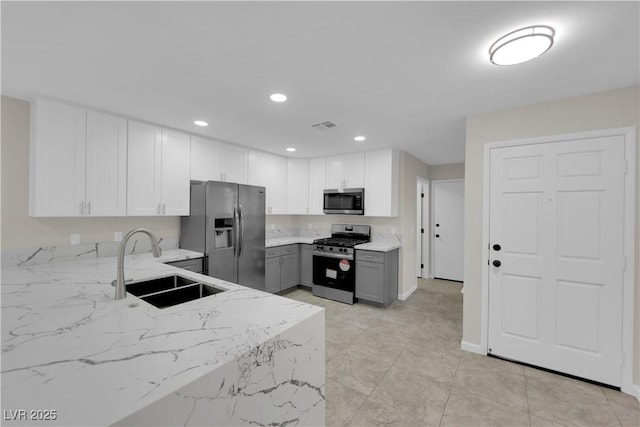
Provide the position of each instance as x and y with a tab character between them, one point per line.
227	224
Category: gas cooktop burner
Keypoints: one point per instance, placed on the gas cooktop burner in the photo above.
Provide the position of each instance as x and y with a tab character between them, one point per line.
339	241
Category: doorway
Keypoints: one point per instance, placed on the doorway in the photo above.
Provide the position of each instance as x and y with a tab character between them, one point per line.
447	231
557	274
422	228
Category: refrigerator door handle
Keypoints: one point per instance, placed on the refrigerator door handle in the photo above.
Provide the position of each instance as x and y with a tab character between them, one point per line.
241	239
235	230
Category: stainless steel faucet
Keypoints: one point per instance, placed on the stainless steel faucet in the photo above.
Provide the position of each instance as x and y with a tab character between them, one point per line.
120	289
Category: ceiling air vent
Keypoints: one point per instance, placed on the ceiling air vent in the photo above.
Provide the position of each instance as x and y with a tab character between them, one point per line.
323	125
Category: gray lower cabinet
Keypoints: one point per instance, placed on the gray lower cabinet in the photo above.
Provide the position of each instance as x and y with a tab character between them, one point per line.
377	276
282	268
306	264
194	264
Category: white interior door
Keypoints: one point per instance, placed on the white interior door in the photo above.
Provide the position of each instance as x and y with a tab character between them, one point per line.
448	229
556	253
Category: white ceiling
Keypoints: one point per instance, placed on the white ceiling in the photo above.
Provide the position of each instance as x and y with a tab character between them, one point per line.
404	74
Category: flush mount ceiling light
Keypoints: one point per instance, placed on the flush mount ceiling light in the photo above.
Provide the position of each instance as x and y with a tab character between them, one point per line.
521	45
200	123
359	138
278	97
291	149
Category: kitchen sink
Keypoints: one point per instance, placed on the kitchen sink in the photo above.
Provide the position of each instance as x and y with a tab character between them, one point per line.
179	295
171	290
156	285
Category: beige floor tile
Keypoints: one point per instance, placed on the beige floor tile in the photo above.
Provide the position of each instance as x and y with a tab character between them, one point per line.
435	362
332	350
503	387
377	414
537	421
480	362
342	335
465	409
394	327
570	402
411	393
354	370
385	348
626	407
342	403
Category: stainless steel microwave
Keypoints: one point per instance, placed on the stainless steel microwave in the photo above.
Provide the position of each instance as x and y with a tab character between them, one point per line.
346	201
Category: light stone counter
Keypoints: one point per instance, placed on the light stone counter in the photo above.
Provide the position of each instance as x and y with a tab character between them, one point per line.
238	357
291	240
383	245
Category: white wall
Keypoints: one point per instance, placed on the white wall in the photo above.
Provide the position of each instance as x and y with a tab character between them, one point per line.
451	171
603	110
21	231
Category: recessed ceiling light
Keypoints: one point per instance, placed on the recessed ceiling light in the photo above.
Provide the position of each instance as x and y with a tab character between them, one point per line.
359	138
200	123
278	97
291	149
521	45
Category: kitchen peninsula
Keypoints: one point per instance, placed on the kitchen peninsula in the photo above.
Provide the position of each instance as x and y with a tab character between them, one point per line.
239	357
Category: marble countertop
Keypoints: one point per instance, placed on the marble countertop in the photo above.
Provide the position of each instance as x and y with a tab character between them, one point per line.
292	240
68	346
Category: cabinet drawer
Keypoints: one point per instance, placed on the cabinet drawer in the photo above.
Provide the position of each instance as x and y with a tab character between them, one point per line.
289	249
194	265
271	252
370	256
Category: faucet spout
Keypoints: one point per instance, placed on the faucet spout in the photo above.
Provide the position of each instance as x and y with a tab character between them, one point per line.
155	248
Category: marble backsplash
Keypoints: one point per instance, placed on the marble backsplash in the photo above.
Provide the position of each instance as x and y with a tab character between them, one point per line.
51	254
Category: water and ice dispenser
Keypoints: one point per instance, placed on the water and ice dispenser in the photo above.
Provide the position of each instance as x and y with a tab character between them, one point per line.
223	233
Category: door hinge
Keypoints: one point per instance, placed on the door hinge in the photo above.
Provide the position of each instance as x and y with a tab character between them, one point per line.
625	166
422	230
422	195
421	265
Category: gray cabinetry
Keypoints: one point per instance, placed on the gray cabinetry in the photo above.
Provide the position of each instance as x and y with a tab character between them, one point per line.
282	269
377	276
306	265
194	264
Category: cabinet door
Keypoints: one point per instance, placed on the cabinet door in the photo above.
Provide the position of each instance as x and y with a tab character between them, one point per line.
306	265
381	183
57	182
206	159
289	271
106	176
370	281
144	166
257	173
317	175
276	185
272	275
298	186
175	173
234	164
354	170
334	172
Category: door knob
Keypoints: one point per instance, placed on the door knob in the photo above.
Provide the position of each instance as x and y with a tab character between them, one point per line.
497	247
497	263
437	235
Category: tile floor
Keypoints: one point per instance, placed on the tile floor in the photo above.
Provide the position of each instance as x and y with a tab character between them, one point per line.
403	366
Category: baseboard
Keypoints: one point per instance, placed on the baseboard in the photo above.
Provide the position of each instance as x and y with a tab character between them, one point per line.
472	348
407	294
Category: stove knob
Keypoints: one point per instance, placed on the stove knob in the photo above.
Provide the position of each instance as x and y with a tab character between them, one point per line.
330	249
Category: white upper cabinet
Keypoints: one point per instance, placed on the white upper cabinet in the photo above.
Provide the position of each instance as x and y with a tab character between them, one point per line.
317	173
175	187
159	167
298	186
277	171
382	183
345	171
78	162
206	159
234	164
106	177
257	168
215	161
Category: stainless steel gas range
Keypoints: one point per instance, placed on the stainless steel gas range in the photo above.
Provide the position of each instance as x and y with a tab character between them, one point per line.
334	264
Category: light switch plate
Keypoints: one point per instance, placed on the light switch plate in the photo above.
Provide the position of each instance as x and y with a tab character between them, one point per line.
75	239
117	236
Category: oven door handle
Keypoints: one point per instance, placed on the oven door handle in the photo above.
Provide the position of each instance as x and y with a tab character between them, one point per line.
330	255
